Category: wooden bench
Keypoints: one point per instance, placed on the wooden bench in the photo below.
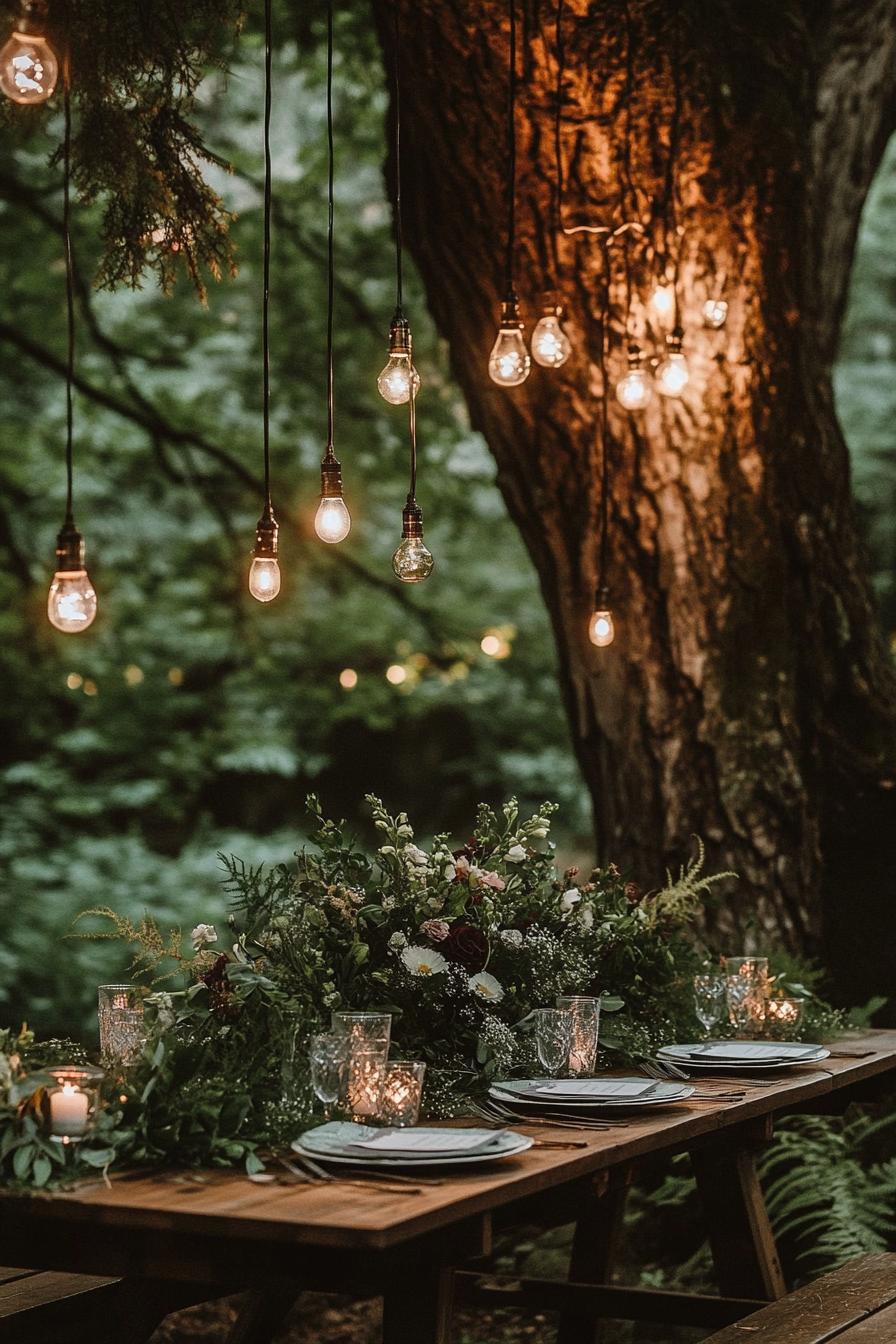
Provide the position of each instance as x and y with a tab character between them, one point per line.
854	1305
59	1308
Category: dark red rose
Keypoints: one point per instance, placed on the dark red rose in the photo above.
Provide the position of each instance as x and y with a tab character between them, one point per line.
466	946
220	991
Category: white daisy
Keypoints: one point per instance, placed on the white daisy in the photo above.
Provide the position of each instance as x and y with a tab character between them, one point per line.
485	986
423	960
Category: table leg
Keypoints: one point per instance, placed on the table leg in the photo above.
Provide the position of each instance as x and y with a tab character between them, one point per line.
740	1234
594	1247
417	1306
262	1313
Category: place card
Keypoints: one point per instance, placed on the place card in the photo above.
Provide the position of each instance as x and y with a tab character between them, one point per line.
403	1141
741	1050
599	1087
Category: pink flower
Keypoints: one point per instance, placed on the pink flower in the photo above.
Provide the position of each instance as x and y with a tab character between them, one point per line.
461	867
436	929
492	880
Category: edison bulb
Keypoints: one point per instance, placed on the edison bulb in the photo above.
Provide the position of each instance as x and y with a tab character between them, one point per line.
715	313
398	380
71	604
600	628
264	577
551	346
28	69
672	375
332	522
634	390
412	562
509	362
662	300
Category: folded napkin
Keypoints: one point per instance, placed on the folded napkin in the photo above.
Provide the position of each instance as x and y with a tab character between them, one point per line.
423	1142
760	1050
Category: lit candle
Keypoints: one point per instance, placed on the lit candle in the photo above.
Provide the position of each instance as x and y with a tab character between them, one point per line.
68	1112
402	1092
367	1070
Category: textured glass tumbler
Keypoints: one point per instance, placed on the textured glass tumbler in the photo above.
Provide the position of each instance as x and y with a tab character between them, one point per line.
553	1039
402	1092
122	1028
585	1025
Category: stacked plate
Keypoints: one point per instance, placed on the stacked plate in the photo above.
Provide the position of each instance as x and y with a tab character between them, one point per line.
592	1094
418	1147
739	1055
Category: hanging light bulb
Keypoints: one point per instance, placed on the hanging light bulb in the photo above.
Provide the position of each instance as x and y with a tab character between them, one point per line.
509	362
601	630
412	561
662	300
264	572
332	522
71	604
399	379
28	65
635	390
672	373
715	313
551	346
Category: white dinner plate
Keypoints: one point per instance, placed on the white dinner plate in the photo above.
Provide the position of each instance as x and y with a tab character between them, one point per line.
776	1055
328	1143
524	1092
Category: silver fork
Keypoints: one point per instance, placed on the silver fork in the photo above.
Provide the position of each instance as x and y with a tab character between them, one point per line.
494	1111
317	1175
662	1072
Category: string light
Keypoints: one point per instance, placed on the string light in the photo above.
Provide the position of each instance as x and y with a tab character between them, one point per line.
672	374
412	561
332	522
551	346
635	390
509	363
28	65
71	602
399	380
601	630
662	300
348	678
715	313
264	572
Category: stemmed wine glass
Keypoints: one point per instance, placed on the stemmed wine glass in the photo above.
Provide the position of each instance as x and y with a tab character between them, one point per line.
328	1056
710	999
553	1039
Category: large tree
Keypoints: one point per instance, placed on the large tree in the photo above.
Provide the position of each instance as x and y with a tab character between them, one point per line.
748	695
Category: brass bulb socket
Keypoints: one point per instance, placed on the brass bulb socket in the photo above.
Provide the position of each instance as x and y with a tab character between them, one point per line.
551	304
411	520
32	20
399	336
674	341
330	478
267	532
69	548
510	313
635	356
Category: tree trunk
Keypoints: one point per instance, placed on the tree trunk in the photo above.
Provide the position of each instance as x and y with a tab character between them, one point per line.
748	696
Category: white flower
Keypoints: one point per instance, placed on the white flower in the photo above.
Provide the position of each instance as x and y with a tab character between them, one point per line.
415	856
486	987
569	899
436	929
511	937
201	935
516	854
462	866
423	960
405	832
585	916
388	902
387	849
397	940
449	873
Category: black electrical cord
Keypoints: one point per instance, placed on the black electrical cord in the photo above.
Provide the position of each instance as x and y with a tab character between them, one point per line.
69	292
330	275
511	164
558	128
396	102
604	435
266	263
412	430
670	211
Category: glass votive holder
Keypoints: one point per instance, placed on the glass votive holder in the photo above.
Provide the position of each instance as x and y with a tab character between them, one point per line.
585	1013
365	1080
782	1017
363	1028
73	1101
402	1092
122	1028
749	989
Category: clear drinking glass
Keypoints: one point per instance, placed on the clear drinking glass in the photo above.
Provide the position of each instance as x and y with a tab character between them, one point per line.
749	988
402	1092
553	1038
782	1018
710	999
365	1079
328	1056
122	1029
585	1013
363	1028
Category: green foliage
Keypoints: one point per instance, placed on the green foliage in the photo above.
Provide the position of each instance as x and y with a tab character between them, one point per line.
824	1195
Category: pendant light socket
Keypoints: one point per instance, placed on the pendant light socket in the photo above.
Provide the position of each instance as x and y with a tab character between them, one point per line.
399	334
32	20
330	478
412	519
267	532
69	549
510	312
674	341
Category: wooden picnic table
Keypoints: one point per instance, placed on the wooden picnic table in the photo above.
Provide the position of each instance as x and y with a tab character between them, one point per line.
177	1239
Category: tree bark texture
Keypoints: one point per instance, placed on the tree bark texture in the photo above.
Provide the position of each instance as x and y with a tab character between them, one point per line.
748	696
